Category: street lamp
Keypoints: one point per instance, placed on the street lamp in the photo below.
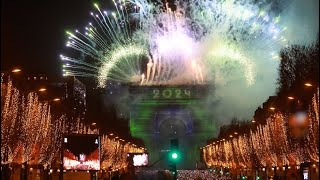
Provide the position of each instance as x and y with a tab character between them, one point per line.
56	99
42	89
93	124
16	70
308	84
290	97
272	108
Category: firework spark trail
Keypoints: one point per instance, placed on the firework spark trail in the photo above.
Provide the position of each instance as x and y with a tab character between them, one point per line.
246	47
204	32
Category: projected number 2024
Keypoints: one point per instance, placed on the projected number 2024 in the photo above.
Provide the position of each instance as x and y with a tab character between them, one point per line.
171	93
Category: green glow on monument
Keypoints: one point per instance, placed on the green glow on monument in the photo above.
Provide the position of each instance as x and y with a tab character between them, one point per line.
181	106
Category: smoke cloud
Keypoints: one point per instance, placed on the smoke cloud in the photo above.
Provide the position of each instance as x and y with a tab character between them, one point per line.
231	96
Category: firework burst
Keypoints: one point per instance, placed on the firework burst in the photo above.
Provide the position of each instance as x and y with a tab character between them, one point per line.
144	43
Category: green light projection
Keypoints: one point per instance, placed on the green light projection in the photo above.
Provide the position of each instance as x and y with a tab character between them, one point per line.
184	105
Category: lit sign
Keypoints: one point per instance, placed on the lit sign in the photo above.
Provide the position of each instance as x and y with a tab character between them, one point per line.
171	93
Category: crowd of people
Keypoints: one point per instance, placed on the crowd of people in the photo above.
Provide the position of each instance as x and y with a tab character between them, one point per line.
200	174
181	175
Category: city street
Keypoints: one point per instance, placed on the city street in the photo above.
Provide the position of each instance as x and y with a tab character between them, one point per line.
160	90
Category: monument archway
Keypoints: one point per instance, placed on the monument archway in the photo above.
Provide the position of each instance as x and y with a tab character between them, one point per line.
160	113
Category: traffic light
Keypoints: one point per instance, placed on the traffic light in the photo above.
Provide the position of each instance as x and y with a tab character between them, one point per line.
174	154
174	144
174	157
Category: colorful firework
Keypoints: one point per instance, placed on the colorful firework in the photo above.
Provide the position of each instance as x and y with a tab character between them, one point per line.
144	43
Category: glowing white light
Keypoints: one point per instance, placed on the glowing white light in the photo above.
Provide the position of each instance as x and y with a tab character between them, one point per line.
140	160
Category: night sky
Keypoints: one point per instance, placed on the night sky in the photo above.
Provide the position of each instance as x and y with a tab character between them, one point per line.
33	32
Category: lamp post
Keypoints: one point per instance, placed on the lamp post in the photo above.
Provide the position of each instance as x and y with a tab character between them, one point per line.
274	172
285	171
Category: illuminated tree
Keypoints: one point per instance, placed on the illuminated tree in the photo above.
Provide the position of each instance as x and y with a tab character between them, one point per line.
270	144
